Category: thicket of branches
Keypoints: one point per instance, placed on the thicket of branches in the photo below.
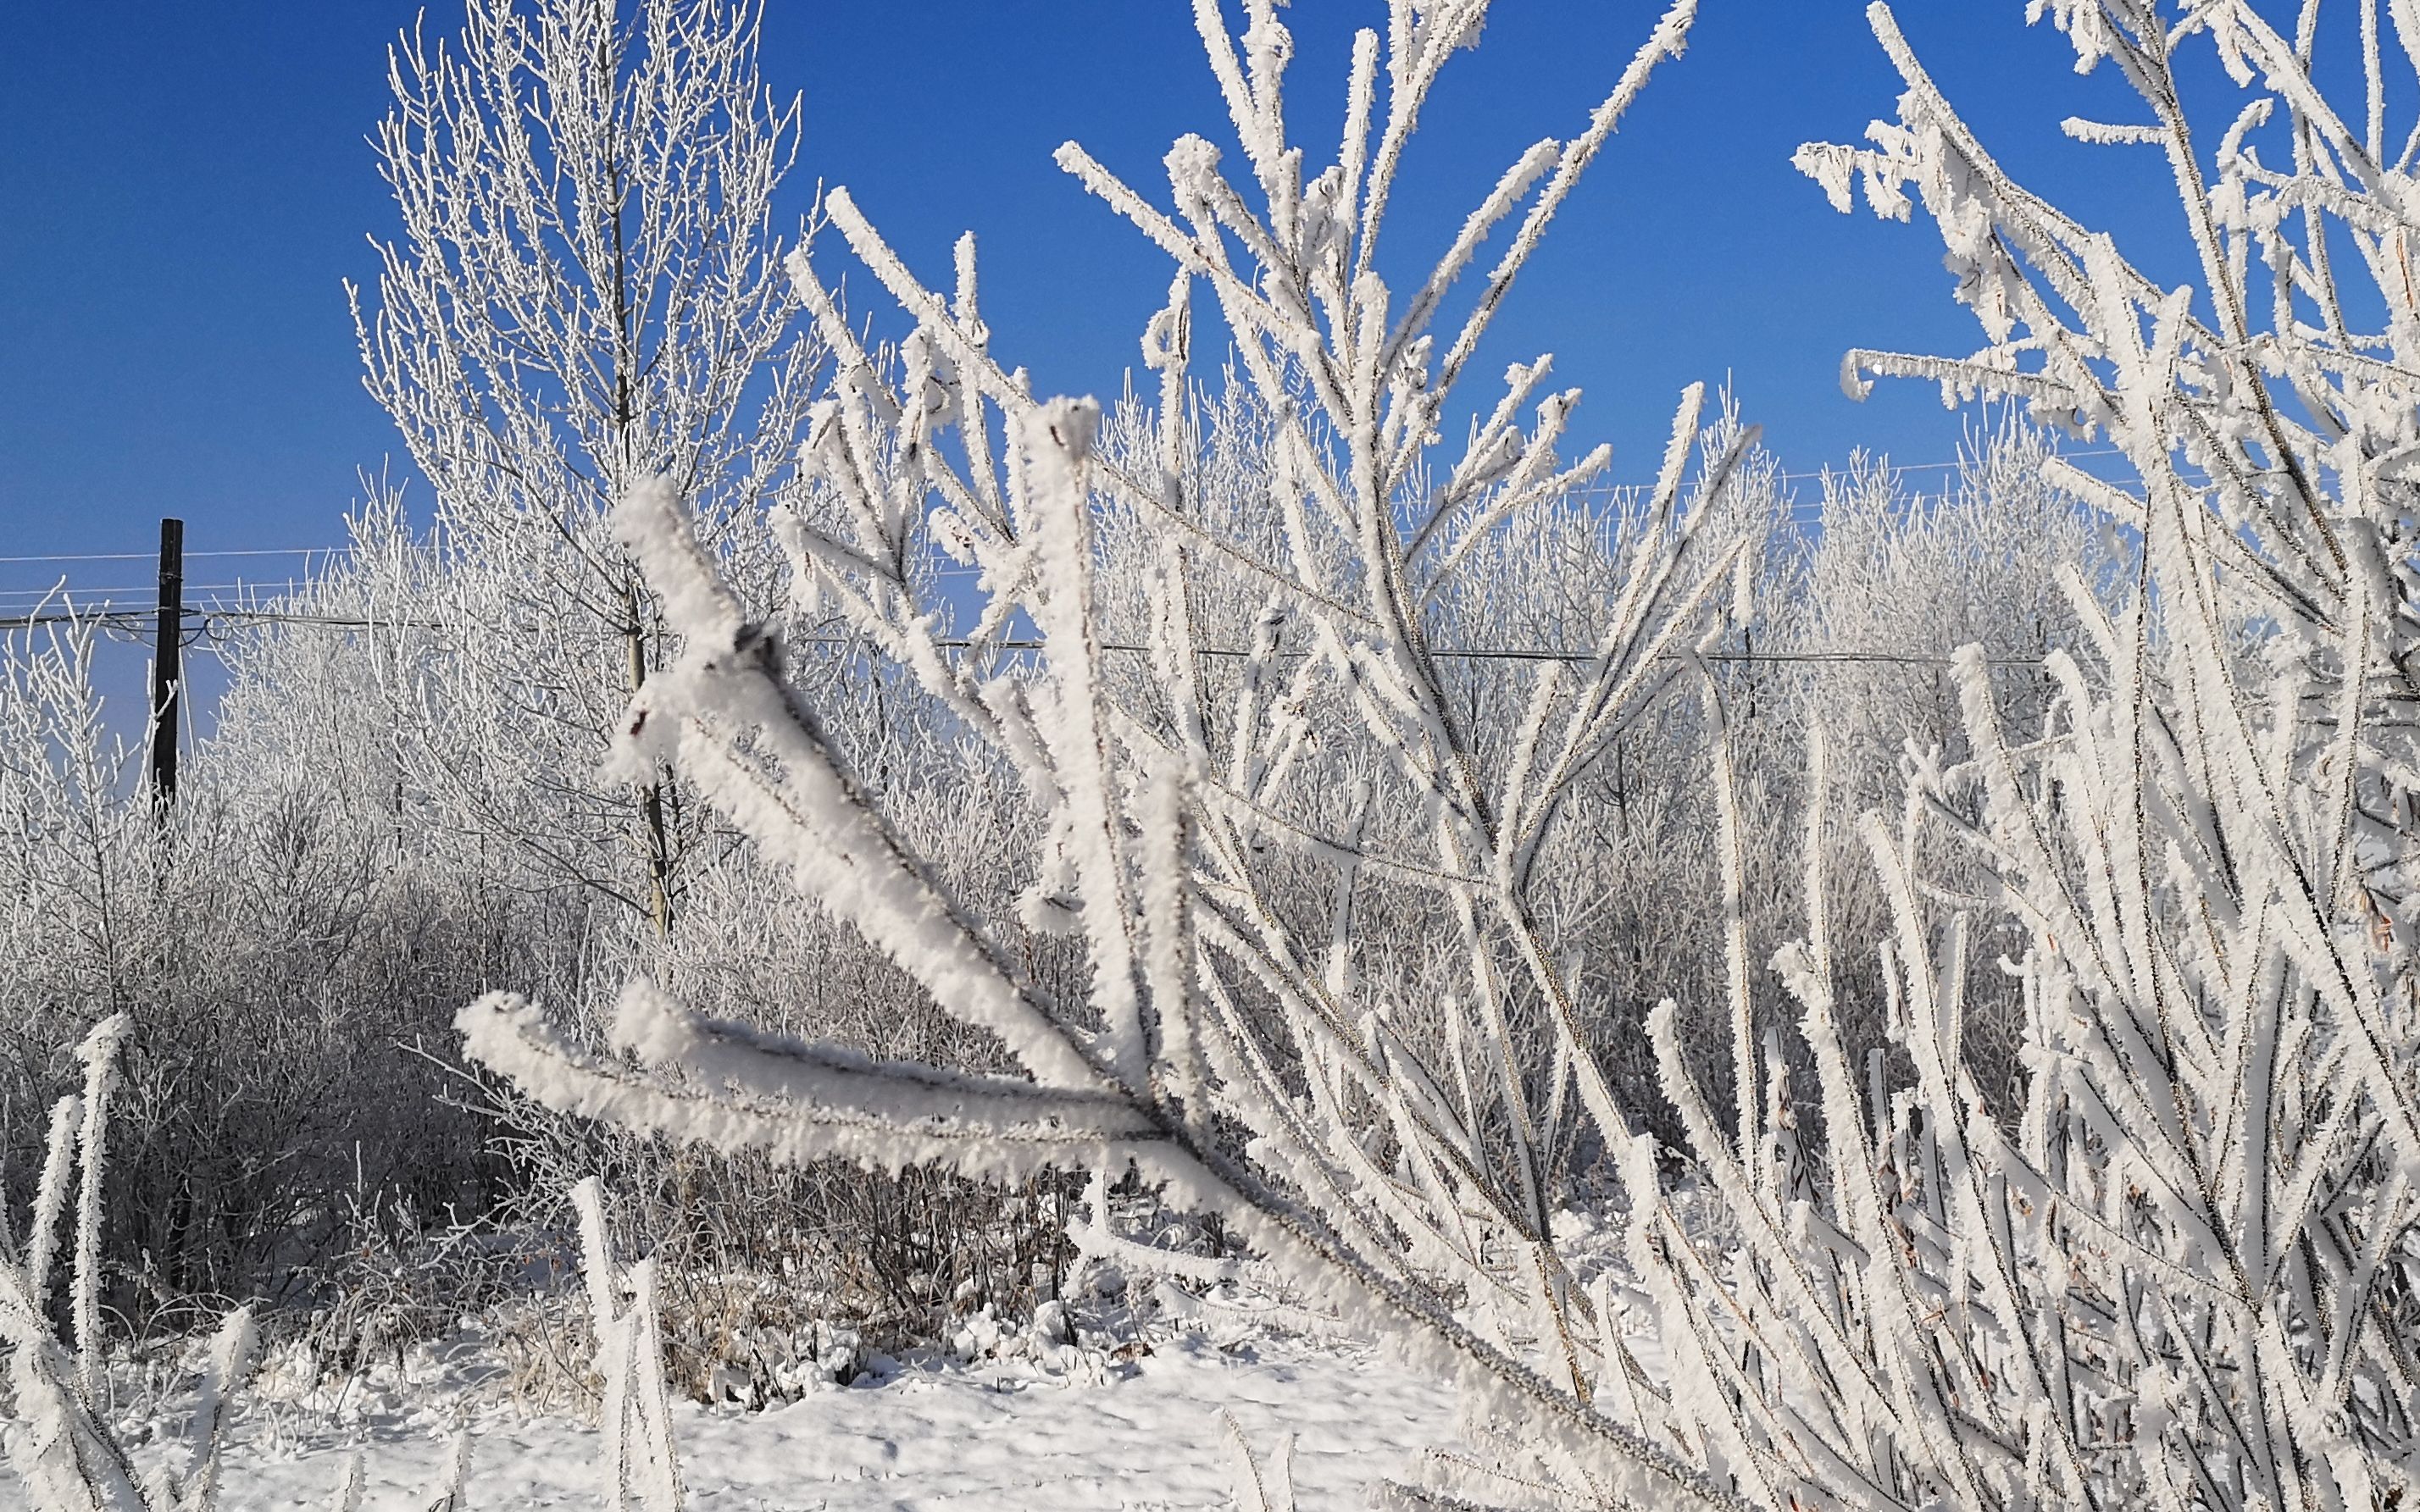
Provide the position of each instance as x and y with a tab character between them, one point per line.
396	809
307	919
1960	950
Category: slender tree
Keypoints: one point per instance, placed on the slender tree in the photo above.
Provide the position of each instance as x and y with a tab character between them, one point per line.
586	292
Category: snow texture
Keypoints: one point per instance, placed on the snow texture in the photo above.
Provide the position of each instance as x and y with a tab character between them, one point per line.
949	1439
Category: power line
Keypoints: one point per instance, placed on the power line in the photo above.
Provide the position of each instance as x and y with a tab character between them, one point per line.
229	619
140	588
148	556
1817	473
210	617
1509	652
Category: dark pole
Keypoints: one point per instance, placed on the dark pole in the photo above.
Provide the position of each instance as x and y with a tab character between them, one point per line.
167	670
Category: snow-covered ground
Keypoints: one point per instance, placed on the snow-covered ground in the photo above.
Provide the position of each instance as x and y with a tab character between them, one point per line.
1143	1434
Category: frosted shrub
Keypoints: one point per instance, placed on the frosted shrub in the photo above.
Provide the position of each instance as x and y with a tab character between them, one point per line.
2179	1275
2177	1271
278	962
60	1443
61	1440
1399	1157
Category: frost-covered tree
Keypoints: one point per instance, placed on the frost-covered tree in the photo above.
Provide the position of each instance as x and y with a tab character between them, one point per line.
586	292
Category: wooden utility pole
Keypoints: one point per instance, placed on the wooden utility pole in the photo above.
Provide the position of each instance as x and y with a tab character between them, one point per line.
167	662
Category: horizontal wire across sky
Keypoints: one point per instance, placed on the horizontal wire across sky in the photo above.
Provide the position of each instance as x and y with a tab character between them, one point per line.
76	604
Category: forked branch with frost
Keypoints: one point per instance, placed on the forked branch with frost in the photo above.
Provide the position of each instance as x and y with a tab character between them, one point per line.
1398	1153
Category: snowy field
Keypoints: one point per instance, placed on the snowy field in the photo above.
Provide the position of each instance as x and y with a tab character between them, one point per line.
1147	1434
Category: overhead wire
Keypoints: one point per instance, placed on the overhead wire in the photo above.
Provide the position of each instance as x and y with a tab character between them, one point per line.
1881	465
214	619
212	623
153	556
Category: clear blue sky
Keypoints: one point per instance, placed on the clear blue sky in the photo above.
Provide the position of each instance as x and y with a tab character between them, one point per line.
185	187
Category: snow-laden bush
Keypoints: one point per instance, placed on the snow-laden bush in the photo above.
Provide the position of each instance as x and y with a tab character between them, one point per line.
1396	1154
279	966
59	1430
2177	1277
58	1433
2178	1272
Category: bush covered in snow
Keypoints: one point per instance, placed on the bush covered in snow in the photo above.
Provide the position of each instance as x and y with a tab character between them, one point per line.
2169	1267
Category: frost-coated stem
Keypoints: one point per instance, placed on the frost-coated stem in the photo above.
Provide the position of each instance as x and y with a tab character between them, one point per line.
51	1193
99	1053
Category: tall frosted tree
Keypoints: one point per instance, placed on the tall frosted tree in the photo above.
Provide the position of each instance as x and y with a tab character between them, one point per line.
586	292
